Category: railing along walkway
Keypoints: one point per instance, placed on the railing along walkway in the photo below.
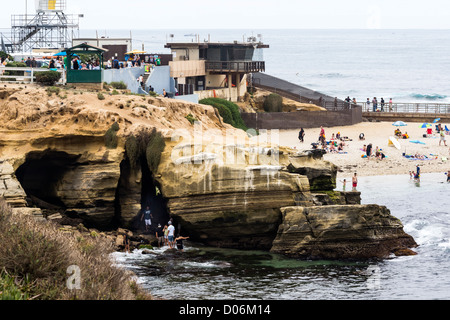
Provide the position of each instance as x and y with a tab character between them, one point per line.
28	74
425	108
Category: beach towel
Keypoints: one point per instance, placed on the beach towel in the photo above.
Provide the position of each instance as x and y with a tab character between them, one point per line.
417	142
425	158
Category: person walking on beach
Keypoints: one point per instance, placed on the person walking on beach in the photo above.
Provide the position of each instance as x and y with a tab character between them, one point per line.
354	182
301	135
443	139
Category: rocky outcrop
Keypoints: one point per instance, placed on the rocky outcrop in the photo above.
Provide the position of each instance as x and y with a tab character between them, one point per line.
340	232
224	190
232	207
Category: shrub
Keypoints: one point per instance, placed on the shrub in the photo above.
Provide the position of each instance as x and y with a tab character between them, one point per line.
35	258
191	118
118	85
111	140
100	96
273	103
53	90
48	78
232	111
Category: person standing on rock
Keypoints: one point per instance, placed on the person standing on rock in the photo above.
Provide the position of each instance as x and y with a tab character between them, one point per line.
355	182
170	234
147	216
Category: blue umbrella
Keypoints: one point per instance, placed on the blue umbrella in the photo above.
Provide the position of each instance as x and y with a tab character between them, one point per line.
63	54
400	124
437	120
426	125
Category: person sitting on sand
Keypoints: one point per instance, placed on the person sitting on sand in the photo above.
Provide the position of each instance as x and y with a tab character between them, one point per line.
398	133
448	176
405	136
332	137
332	148
364	148
362	137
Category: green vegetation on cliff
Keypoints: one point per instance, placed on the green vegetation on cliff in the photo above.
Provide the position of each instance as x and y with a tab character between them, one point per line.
146	146
37	261
229	111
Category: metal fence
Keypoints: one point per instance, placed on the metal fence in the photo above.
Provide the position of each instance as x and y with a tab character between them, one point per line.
26	74
428	108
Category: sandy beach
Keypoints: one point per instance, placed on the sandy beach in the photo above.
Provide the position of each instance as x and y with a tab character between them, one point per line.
377	133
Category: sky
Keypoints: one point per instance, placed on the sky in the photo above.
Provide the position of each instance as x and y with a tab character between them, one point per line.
250	14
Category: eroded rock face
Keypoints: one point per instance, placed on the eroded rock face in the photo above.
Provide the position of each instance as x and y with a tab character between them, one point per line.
340	232
232	207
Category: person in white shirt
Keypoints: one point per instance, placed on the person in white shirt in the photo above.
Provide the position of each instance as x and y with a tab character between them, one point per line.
171	234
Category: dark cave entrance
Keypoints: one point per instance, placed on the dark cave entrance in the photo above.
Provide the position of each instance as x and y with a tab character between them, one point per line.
41	175
151	196
147	192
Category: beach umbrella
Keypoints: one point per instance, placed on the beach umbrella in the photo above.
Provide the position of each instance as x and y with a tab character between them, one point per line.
437	120
399	124
136	52
60	54
426	126
393	141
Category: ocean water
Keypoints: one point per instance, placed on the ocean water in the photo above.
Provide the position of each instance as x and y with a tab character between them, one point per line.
406	65
202	273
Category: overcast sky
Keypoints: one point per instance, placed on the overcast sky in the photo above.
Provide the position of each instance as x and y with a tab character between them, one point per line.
250	14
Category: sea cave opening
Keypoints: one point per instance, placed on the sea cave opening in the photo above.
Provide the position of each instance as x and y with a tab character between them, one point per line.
138	189
41	176
152	197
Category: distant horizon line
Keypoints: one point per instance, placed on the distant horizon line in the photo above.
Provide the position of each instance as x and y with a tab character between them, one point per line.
265	28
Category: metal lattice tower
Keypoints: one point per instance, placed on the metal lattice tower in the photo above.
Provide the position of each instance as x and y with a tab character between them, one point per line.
50	27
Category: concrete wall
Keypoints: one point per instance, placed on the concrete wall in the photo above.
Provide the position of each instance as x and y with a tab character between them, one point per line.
160	79
302	119
190	98
225	93
128	75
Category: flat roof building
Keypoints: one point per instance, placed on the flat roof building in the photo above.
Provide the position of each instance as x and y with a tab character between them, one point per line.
215	69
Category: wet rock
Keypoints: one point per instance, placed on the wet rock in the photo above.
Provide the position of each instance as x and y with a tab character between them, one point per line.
340	232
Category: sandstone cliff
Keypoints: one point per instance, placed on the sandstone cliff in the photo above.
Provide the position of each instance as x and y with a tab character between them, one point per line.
220	186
